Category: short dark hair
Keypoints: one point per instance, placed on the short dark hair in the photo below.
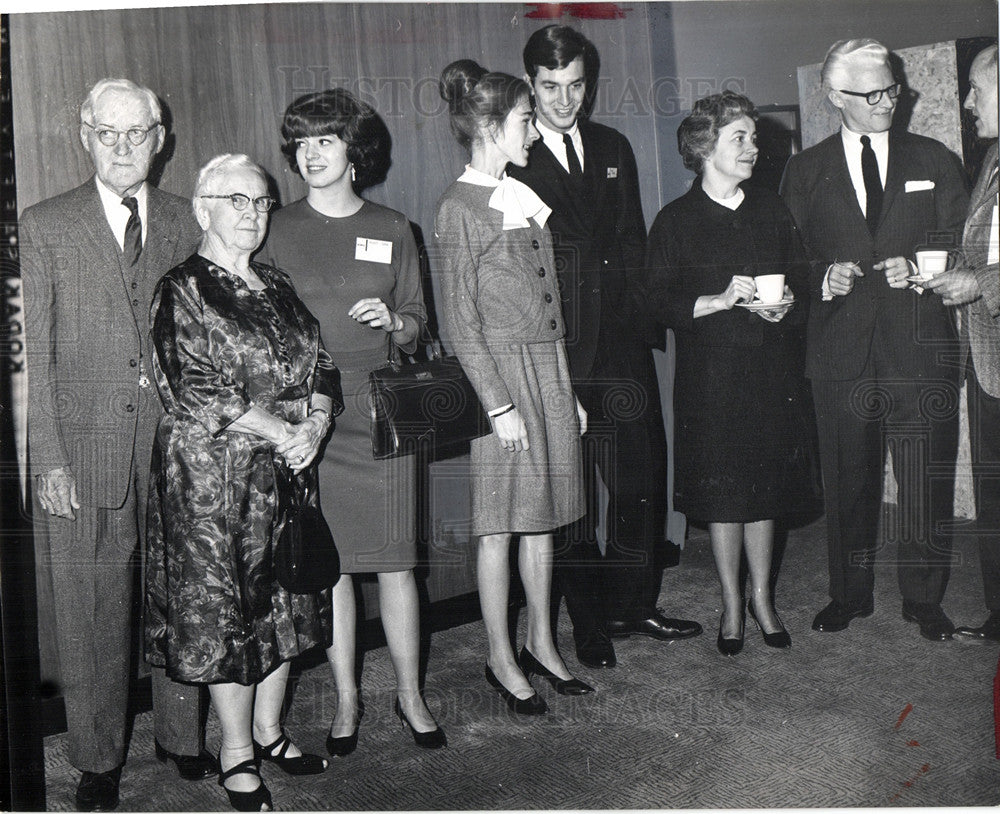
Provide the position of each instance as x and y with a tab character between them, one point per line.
554	47
338	112
699	132
478	99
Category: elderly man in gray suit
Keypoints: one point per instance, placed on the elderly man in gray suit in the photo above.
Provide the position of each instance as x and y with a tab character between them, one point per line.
975	287
89	261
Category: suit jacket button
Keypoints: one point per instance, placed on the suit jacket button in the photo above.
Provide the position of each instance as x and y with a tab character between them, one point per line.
135	303
132	363
534	244
548	297
135	285
553	324
541	272
129	408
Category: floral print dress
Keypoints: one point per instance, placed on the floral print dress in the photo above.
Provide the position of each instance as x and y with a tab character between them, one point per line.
214	610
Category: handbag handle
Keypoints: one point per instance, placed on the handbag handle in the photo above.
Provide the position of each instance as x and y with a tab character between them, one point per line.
426	338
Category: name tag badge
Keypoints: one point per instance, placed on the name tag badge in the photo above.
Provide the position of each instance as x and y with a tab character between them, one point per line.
374	251
612	172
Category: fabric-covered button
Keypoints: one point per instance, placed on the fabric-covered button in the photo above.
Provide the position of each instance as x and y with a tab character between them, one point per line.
548	297
132	363
541	272
129	408
553	324
534	244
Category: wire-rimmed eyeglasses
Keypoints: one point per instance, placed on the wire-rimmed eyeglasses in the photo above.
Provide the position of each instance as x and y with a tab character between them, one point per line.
240	201
109	137
873	97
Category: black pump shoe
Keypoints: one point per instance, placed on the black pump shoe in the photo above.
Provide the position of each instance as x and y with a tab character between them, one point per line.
302	764
730	647
779	638
247	800
343	746
434	739
564	686
532	705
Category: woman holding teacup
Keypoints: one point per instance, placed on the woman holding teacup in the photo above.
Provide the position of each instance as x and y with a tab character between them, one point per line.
741	447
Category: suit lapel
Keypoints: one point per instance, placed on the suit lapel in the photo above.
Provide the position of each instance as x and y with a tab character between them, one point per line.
840	177
893	178
94	223
595	169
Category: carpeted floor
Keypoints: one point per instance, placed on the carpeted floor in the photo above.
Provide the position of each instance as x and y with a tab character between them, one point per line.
874	716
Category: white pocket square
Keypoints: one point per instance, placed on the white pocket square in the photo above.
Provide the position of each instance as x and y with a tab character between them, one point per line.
917	186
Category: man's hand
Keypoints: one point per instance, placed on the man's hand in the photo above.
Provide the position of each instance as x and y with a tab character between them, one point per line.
956	287
57	492
896	271
841	277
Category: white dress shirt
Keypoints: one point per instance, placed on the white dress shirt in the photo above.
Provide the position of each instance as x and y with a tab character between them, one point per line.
117	213
554	141
852	151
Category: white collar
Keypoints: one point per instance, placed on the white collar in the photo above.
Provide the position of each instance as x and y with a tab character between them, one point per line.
110	198
879	140
515	200
556	135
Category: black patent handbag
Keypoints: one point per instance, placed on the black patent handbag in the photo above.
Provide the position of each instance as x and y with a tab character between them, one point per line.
305	554
426	402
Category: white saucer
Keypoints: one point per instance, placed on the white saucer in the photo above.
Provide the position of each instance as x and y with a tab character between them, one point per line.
757	305
916	278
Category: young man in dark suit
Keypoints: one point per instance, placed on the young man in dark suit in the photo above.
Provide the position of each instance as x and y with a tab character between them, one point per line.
586	173
865	200
89	261
975	286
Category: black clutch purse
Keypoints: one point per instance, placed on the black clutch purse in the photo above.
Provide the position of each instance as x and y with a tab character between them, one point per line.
305	555
429	402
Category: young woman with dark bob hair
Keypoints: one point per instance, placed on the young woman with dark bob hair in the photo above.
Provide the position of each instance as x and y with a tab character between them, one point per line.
356	264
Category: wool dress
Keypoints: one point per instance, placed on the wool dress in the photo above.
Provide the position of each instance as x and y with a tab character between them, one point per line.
334	262
742	450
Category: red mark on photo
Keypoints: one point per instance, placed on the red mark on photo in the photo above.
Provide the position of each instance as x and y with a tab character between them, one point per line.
902	716
582	11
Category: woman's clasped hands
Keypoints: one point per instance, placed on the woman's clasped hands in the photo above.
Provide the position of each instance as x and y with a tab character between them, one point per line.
302	440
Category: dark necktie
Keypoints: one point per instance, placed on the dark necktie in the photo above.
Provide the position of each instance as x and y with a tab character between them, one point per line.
873	183
572	159
132	246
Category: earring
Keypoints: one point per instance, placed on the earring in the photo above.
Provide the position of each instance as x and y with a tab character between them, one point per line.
354	174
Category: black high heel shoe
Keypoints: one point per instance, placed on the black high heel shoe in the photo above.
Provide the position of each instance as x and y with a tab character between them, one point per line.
730	647
247	800
343	746
434	739
301	764
564	686
532	705
779	638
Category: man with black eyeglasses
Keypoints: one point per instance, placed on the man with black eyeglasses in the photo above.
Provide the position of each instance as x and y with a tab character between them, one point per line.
865	200
89	261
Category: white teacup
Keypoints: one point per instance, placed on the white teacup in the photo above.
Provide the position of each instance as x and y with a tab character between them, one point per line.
770	287
931	262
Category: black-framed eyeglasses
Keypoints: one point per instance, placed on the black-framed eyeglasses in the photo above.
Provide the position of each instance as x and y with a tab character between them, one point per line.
109	137
873	97
240	201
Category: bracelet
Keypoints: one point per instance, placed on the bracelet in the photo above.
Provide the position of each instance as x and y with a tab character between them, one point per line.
504	411
314	410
